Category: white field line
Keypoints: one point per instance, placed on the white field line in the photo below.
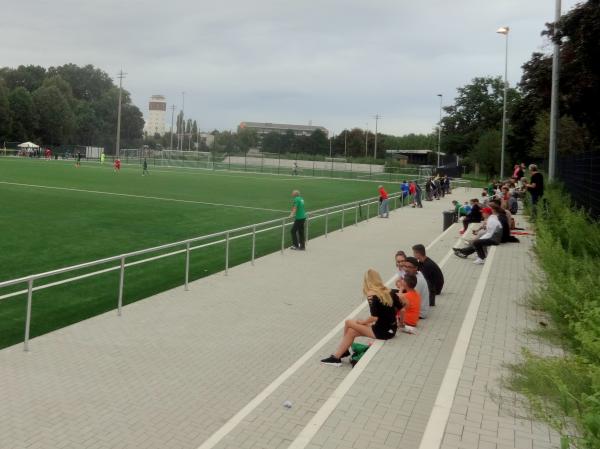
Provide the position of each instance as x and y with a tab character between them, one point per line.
224	430
145	197
314	425
436	426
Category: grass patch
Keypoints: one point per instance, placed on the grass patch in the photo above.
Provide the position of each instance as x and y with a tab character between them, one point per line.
565	391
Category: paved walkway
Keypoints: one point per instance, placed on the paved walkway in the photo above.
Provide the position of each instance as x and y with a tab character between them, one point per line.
212	367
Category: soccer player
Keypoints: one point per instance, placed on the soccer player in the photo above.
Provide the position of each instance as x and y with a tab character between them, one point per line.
102	158
78	163
117	165
145	170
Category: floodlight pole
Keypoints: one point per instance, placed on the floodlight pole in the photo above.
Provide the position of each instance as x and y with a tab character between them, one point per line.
439	131
345	143
172	114
180	143
554	97
377	117
366	140
121	75
505	31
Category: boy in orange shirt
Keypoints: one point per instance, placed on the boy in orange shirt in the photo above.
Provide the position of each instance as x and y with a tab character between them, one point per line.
408	316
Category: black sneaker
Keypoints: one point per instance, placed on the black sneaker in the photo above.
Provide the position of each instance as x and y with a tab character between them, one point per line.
459	253
295	248
345	354
332	360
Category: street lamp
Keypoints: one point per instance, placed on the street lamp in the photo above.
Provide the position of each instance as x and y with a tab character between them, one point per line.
439	131
504	30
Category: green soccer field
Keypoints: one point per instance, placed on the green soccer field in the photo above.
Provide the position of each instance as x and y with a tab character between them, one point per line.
56	215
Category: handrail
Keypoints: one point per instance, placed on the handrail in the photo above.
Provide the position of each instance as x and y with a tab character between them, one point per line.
228	237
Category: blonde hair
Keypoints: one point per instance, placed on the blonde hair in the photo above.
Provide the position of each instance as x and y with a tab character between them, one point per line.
373	283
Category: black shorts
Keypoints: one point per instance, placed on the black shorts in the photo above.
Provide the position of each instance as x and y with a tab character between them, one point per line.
384	333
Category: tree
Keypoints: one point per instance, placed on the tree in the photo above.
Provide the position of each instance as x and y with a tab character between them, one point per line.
29	77
247	139
486	152
477	108
5	121
22	115
573	138
55	120
87	124
318	144
271	142
87	83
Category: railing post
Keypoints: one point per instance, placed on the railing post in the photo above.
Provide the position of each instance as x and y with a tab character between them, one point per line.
368	210
395	202
356	215
343	214
253	242
306	232
187	265
326	221
121	281
28	316
226	253
282	235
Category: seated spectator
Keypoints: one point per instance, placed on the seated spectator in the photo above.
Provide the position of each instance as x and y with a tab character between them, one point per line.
408	315
492	236
432	272
474	216
513	203
411	266
505	220
400	258
380	325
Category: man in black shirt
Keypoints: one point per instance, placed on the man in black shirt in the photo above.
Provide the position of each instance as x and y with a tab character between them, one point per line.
432	272
536	184
474	216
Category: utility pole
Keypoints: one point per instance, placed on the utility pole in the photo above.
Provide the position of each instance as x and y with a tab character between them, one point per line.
439	131
366	140
121	75
554	98
182	134
345	143
376	117
172	114
504	30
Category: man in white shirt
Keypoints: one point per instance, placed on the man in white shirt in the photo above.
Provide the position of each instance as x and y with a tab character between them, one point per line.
492	236
411	266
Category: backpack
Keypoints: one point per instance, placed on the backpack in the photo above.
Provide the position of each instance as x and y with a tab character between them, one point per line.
358	350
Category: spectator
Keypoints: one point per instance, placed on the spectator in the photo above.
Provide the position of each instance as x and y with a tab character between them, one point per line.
535	185
384	207
400	258
513	203
411	266
298	213
408	315
418	194
428	189
492	236
404	190
412	190
432	272
474	215
380	325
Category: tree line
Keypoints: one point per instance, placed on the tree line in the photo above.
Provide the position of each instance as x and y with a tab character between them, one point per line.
65	105
472	126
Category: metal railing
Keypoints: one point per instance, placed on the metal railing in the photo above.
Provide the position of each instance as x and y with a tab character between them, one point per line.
222	237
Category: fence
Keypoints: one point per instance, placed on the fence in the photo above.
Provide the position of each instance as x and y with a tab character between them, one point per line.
580	175
319	222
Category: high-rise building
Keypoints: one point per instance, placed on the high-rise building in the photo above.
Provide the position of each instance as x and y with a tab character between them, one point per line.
157	109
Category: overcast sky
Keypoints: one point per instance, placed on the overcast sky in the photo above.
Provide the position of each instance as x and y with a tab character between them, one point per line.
335	63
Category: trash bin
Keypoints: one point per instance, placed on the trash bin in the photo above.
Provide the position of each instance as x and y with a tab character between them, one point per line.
449	218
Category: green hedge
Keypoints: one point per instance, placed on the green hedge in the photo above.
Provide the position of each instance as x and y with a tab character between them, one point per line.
565	391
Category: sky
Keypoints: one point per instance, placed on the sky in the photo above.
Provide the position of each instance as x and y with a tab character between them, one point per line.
332	63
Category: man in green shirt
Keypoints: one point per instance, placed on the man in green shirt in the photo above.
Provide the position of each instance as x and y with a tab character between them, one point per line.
299	215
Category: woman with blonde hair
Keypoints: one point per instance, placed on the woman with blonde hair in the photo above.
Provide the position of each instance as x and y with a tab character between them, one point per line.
380	325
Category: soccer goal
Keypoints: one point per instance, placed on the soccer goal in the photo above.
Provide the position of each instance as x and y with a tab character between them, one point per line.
180	158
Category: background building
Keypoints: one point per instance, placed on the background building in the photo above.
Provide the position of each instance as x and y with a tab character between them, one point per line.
157	109
266	128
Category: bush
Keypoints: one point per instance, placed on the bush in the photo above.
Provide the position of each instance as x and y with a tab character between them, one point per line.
566	391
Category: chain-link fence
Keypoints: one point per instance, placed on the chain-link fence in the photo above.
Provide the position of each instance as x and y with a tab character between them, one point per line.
580	175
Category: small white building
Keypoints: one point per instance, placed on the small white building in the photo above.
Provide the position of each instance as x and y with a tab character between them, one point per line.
157	109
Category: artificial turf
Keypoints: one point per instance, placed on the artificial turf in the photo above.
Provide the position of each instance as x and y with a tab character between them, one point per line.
57	215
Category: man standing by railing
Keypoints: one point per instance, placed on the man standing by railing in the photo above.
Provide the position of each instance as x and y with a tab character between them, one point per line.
299	215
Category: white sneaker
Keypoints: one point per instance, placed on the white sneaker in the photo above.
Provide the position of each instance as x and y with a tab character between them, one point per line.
479	261
409	329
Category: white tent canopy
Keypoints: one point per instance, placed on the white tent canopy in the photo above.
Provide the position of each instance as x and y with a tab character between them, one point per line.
28	145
